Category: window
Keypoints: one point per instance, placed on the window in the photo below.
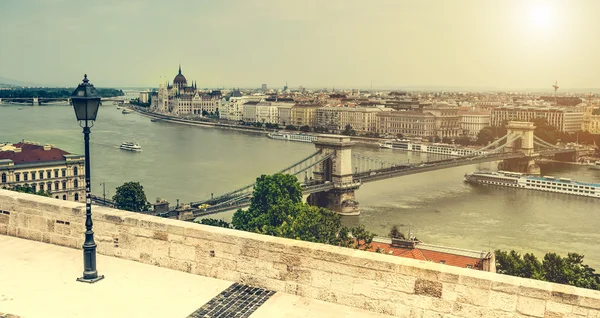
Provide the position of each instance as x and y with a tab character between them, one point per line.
48	174
25	176
41	187
74	171
76	196
34	188
64	172
56	173
49	186
3	177
41	174
33	175
56	185
64	197
75	183
17	177
64	185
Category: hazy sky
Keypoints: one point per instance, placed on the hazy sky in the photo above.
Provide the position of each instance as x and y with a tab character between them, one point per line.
314	43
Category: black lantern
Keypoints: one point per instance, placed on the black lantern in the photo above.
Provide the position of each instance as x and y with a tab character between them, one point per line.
85	101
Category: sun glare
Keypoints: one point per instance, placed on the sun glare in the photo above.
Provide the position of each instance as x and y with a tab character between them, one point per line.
541	16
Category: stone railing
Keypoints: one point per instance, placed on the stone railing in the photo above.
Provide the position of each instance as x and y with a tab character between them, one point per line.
376	282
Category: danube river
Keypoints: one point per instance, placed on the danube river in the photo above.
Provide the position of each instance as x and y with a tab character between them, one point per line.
189	163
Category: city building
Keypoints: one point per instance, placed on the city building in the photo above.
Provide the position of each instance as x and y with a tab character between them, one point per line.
304	115
144	96
361	119
473	122
591	119
181	99
407	123
43	168
260	112
447	120
566	119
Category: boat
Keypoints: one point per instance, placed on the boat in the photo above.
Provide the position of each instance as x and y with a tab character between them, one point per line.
127	111
154	120
595	165
131	146
436	148
292	137
545	183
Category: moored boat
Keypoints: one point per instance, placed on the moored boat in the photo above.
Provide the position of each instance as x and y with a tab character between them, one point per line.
545	183
436	148
292	137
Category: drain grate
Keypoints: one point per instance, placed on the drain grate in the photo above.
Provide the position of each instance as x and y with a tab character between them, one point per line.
237	301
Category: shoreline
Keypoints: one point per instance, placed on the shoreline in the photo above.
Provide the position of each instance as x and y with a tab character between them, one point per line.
372	142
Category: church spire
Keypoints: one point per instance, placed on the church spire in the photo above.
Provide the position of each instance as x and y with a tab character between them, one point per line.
179	69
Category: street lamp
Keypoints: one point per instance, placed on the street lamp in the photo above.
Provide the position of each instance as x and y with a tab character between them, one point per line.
86	103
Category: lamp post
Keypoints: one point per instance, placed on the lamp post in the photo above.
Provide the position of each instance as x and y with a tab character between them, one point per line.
86	103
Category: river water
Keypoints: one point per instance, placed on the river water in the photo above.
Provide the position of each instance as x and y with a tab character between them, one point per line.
188	163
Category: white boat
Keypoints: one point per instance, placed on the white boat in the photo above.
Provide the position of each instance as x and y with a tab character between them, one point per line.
595	165
127	111
292	137
437	148
545	183
131	146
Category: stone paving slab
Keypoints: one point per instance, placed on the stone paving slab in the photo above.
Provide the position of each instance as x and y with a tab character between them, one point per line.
39	280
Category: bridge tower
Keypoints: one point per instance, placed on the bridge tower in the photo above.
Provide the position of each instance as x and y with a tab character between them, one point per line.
36	101
337	169
523	131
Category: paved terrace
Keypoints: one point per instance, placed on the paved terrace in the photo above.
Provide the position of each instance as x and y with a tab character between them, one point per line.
158	267
38	280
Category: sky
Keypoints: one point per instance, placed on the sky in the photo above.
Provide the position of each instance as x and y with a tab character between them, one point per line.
491	44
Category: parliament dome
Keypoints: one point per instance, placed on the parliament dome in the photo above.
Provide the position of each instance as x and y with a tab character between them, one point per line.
179	80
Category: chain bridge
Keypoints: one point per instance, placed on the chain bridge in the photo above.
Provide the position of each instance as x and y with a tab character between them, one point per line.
331	175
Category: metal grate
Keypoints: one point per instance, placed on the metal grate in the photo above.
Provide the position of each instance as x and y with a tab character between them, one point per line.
237	301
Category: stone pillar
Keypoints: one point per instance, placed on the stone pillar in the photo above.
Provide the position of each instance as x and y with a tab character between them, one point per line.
520	129
36	101
337	170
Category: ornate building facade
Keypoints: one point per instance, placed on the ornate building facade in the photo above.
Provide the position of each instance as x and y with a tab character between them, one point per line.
181	99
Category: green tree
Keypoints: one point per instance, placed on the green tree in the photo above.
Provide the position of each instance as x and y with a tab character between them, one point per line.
446	140
131	197
305	128
544	131
485	136
276	208
348	131
569	270
463	141
204	113
28	189
291	127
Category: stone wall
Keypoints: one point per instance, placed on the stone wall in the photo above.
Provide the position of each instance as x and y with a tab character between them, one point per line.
376	282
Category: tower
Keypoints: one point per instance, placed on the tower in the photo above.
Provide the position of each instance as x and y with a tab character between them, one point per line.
555	89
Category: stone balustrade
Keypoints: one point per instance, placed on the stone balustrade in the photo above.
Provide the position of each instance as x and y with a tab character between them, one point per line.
376	282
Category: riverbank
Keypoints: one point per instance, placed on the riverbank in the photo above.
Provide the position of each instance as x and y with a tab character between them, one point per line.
365	141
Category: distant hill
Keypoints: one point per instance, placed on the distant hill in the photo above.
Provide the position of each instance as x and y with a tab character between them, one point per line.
7	82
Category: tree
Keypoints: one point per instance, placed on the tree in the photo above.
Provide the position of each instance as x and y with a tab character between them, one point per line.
348	131
204	112
215	222
463	141
553	268
305	128
276	208
28	189
485	136
290	127
395	233
131	197
446	140
400	136
321	129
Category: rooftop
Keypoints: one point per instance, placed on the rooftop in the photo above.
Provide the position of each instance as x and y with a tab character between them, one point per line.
44	274
25	152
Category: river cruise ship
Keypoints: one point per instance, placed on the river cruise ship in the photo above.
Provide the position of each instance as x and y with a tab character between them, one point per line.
437	148
546	183
131	146
292	137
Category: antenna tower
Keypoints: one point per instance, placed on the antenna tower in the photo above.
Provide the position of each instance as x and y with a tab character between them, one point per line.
555	89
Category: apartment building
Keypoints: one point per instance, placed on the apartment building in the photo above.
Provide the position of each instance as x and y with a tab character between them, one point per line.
473	122
566	119
407	123
43	168
447	120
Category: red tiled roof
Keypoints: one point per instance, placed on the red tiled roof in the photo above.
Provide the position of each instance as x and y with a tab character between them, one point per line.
33	153
427	255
